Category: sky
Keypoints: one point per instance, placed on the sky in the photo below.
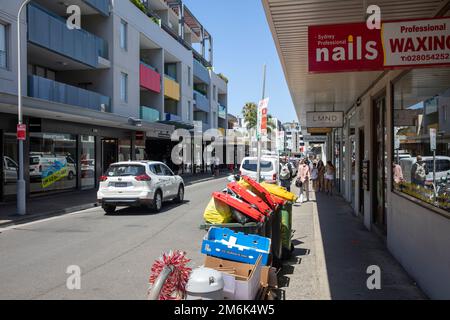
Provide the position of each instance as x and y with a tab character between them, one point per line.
243	43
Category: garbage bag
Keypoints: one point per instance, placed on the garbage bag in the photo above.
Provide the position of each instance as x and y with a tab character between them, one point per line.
217	213
279	192
239	217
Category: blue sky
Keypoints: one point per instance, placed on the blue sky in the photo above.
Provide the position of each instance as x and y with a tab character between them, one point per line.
242	44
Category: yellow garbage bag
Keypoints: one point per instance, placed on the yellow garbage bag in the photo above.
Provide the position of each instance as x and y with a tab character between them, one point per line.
217	213
279	192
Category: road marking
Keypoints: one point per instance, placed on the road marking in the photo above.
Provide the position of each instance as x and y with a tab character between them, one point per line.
45	220
80	212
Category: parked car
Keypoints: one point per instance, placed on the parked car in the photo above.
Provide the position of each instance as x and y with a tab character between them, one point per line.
269	168
10	170
88	168
442	168
139	183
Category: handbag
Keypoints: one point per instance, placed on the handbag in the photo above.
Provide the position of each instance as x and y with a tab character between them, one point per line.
298	183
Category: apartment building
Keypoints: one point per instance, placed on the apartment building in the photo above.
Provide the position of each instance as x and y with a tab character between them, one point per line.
294	143
114	90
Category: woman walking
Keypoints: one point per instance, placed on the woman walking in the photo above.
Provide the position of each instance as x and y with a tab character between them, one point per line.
321	179
330	170
304	174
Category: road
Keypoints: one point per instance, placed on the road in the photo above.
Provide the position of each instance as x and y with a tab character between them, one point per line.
115	253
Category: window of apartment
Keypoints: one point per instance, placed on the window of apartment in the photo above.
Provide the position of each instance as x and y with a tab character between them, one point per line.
123	35
124	87
421	164
3	47
189	77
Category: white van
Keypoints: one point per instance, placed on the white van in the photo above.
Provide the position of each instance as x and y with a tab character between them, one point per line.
269	168
442	168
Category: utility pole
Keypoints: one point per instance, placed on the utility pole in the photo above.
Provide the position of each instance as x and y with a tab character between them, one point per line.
258	136
21	187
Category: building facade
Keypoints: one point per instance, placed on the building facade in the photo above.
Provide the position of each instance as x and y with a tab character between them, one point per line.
113	90
392	151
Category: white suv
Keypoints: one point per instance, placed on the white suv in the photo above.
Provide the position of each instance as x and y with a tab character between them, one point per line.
139	183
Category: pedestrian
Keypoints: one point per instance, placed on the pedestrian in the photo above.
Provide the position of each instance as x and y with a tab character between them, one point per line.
216	166
286	174
304	175
419	172
315	177
321	173
330	171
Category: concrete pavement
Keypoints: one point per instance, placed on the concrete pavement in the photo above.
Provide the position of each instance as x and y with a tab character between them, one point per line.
115	252
332	253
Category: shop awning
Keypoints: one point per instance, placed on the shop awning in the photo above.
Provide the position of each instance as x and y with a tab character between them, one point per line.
51	110
289	21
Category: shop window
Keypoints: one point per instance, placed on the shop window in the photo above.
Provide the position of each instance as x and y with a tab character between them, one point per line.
421	105
124	150
53	162
87	162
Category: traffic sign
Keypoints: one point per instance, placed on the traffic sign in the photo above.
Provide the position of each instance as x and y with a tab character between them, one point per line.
21	132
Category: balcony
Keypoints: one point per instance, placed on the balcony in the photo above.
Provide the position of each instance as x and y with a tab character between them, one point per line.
172	117
201	102
149	78
50	31
50	90
222	112
201	72
149	114
101	6
171	88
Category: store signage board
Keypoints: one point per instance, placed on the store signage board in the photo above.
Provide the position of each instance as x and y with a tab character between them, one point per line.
323	120
353	47
319	130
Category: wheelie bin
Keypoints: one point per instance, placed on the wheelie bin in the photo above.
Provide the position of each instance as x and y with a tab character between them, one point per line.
286	230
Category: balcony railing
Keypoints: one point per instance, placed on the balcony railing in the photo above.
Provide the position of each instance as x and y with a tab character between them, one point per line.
149	114
172	117
149	78
171	88
50	31
201	102
50	90
101	6
201	72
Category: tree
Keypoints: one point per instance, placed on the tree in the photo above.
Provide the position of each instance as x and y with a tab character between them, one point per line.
250	112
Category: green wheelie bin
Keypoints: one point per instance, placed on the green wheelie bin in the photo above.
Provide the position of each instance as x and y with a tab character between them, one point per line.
286	231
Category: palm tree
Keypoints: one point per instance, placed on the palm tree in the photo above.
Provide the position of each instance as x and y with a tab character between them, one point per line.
250	112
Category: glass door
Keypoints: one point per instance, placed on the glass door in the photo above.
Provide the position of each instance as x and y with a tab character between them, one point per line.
110	148
380	158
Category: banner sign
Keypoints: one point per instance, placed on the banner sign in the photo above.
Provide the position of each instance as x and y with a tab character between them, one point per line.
353	47
324	120
262	117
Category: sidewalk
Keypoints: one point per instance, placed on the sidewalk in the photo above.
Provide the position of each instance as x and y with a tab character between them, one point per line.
332	253
68	202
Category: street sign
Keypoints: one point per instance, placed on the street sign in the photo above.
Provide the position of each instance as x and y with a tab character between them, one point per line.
324	119
262	118
433	133
21	132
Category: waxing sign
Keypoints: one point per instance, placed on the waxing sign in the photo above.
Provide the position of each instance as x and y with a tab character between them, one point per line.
353	47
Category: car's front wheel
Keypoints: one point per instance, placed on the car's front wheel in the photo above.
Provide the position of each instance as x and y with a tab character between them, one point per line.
157	202
180	195
109	209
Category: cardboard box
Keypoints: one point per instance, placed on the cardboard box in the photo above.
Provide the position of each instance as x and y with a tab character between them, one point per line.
242	281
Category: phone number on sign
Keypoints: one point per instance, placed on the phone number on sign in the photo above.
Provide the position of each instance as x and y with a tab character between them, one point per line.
426	57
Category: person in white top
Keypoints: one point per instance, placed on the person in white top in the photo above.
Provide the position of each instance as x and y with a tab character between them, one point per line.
315	176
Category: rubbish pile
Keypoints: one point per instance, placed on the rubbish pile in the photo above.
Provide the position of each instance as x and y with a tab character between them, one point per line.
249	232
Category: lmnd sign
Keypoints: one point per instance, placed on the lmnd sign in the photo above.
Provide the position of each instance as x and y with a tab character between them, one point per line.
324	119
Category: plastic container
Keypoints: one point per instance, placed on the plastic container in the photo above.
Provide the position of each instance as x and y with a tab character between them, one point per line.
205	284
227	244
257	228
286	230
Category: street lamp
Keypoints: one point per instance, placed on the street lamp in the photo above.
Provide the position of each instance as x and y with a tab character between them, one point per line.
21	187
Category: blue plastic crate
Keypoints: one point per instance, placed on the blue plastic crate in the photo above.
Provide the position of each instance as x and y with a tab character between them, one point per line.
226	244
